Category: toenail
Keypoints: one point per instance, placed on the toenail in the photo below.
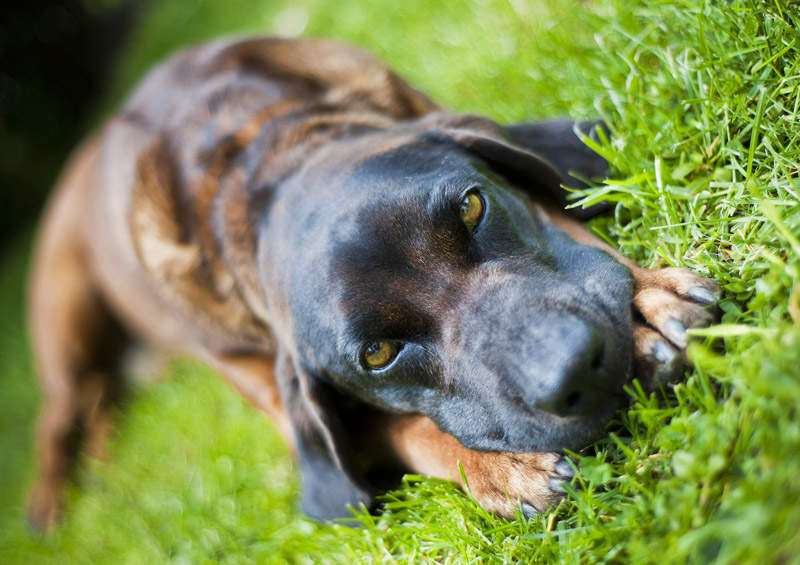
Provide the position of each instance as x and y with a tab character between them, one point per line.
676	332
528	510
663	352
701	294
564	469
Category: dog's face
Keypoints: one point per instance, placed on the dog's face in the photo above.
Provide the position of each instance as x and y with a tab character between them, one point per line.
424	280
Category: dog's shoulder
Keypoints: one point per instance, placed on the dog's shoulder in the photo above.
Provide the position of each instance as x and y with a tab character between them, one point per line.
190	155
249	73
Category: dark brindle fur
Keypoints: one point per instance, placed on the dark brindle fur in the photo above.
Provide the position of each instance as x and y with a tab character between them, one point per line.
271	206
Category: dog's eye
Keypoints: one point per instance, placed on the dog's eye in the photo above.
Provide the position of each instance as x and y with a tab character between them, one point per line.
472	209
379	354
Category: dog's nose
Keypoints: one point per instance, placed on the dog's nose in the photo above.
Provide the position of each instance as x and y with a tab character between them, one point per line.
567	388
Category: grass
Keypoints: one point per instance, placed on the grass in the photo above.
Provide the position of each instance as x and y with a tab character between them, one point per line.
704	100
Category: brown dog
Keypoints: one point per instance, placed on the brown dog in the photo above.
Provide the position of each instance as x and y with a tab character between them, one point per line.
397	286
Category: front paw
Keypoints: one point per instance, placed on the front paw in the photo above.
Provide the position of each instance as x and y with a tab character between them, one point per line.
505	483
45	505
667	303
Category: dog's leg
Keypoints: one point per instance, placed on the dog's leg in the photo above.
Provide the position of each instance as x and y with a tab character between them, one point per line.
501	482
254	377
76	344
666	302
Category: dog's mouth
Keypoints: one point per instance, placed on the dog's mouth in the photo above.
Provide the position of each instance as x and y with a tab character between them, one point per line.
576	405
513	424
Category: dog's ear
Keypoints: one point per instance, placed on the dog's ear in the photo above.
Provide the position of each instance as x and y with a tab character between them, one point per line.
330	482
560	142
535	157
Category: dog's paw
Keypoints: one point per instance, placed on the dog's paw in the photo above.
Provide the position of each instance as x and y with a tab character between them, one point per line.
505	482
668	302
44	507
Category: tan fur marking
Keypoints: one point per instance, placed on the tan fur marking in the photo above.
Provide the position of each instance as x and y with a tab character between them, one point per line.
498	481
179	266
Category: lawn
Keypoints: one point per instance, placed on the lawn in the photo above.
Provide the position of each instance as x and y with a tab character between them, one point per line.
703	98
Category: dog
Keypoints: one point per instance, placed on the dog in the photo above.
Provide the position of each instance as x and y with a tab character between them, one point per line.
399	287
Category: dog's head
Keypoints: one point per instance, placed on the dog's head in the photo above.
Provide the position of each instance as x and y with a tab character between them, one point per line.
423	278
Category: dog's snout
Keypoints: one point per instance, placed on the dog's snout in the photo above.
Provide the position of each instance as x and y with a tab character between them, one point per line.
567	388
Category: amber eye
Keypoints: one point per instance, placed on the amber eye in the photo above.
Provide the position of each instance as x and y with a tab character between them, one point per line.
472	208
379	354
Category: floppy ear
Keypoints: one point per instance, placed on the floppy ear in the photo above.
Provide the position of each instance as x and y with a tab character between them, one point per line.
557	141
330	481
535	156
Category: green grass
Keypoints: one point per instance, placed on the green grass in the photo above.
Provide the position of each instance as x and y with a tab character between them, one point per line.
704	99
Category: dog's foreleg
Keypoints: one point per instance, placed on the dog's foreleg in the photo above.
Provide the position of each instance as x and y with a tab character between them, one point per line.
254	377
501	482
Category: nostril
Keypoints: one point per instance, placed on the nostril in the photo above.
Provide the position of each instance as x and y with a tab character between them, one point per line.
599	357
572	401
565	386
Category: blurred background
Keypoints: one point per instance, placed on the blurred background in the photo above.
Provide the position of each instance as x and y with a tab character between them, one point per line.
56	59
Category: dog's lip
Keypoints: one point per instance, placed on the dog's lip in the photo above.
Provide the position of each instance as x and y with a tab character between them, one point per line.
581	431
527	429
517	399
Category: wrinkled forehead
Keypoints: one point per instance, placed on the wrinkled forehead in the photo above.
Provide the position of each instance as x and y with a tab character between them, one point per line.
405	243
395	199
352	187
379	228
411	169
